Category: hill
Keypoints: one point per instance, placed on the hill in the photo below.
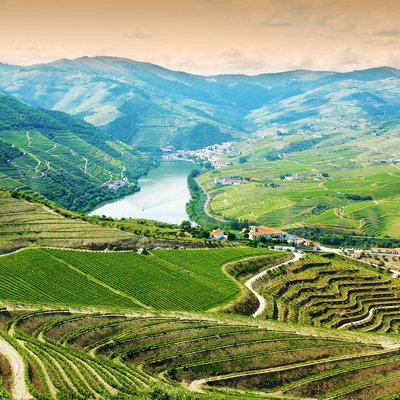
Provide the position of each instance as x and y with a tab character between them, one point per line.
150	106
62	158
85	354
25	222
334	183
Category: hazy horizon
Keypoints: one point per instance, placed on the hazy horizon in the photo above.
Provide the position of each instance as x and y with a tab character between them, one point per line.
206	37
193	73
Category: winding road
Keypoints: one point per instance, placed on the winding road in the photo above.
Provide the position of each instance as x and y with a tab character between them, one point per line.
207	204
249	283
19	390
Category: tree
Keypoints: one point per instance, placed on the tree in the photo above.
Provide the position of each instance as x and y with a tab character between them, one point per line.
185	225
242	159
204	234
231	236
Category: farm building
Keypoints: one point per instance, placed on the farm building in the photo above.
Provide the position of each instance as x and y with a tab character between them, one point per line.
117	184
285	248
301	241
228	181
316	246
257	232
217	234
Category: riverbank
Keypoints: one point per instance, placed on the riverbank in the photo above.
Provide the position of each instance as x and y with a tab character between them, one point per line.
163	196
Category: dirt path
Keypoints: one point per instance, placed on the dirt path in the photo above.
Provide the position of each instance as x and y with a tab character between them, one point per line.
53	148
28	138
369	316
249	283
19	390
85	166
207	205
196	385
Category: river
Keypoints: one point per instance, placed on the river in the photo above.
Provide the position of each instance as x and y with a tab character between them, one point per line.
162	197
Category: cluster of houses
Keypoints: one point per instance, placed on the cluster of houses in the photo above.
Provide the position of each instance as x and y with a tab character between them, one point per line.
114	185
215	154
228	181
274	234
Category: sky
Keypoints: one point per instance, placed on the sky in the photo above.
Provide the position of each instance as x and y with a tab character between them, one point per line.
206	36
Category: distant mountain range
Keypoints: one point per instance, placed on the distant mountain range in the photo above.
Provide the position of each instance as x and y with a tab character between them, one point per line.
150	106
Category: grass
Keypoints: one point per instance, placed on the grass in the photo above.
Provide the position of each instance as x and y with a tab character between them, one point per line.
190	280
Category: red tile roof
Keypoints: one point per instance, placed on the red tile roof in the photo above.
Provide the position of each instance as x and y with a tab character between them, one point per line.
216	232
269	231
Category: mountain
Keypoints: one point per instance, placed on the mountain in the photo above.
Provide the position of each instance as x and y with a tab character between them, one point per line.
62	158
150	106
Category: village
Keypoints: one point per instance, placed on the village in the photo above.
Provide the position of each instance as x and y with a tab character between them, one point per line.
215	154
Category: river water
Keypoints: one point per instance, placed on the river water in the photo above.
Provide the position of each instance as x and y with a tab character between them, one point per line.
163	196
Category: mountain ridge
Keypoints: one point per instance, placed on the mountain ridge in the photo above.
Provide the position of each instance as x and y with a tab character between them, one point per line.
126	59
150	106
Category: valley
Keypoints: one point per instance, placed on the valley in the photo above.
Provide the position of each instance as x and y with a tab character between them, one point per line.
142	251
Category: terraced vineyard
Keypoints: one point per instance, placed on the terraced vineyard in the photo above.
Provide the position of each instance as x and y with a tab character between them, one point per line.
191	280
91	355
53	155
23	223
347	193
333	292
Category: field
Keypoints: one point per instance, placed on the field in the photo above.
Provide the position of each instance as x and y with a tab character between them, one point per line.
165	356
333	292
336	185
24	223
190	280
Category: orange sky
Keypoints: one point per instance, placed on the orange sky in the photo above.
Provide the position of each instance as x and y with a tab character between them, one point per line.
206	36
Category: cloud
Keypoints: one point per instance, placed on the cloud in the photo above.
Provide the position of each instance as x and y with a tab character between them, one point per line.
388	32
136	33
276	22
237	60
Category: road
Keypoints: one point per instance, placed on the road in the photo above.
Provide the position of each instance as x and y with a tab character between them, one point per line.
249	283
207	204
19	390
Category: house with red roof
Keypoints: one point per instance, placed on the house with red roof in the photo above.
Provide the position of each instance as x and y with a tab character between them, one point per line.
217	234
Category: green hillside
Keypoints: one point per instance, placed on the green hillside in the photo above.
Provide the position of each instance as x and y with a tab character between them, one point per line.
191	280
336	183
57	156
24	223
